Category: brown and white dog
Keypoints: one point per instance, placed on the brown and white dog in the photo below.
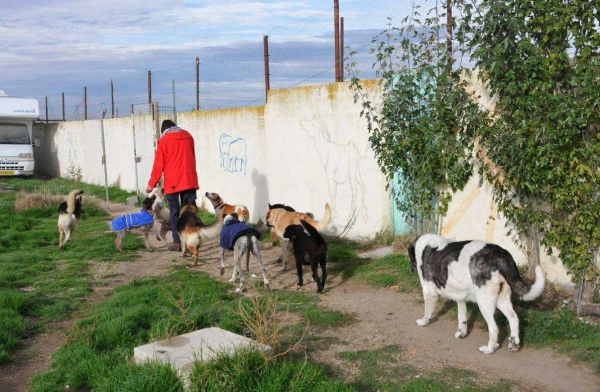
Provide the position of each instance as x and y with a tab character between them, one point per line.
228	209
193	232
279	219
69	213
473	271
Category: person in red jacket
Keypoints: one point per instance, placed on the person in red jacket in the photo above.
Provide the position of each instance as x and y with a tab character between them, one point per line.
175	160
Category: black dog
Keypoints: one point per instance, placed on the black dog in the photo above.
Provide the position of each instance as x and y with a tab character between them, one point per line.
310	247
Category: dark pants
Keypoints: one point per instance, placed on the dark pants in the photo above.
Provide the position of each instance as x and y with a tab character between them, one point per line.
173	199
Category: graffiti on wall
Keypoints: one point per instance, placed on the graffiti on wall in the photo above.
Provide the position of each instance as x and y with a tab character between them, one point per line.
233	154
341	161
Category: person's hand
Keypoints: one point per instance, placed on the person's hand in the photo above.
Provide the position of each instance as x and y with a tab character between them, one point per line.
149	189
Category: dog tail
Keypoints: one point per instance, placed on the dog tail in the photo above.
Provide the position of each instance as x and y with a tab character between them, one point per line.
243	214
323	223
71	200
313	232
529	293
213	230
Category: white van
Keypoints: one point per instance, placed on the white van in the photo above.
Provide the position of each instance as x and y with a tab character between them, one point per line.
16	134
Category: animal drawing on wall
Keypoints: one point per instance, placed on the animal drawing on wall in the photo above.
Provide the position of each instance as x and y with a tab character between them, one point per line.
233	154
341	160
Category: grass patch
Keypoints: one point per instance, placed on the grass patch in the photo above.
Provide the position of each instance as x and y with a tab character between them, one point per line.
384	369
145	310
562	330
308	307
98	355
247	371
390	270
62	186
38	280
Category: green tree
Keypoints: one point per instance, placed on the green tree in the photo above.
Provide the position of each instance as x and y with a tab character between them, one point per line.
422	130
542	62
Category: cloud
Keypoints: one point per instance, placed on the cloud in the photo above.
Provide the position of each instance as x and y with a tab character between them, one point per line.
54	46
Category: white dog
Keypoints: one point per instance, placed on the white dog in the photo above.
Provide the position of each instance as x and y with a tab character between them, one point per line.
472	271
161	214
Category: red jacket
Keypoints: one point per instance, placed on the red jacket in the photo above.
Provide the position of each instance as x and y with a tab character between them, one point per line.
175	157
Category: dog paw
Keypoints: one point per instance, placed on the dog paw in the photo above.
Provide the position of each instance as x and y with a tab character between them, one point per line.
283	269
150	249
487	350
278	260
231	280
513	344
239	289
460	335
422	322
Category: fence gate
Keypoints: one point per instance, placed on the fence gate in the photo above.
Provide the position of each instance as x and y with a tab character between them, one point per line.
145	123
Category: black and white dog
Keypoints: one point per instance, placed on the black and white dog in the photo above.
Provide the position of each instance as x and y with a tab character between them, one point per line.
472	271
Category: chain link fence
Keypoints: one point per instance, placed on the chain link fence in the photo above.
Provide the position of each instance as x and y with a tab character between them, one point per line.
233	74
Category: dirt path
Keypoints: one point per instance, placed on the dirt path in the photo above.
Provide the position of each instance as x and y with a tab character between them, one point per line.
383	317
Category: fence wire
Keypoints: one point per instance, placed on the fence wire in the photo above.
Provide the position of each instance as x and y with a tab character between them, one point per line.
233	75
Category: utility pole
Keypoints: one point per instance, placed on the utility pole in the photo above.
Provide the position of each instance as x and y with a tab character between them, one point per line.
336	28
266	61
197	83
149	87
112	100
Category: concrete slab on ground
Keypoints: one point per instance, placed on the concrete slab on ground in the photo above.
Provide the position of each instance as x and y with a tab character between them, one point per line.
202	345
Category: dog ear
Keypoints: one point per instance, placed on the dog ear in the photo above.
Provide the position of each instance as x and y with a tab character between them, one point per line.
270	206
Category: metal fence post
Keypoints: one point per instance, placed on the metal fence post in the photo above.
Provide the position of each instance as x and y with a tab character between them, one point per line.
102	114
136	159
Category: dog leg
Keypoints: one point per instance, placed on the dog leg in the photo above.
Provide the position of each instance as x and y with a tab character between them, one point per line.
284	255
299	261
222	256
487	306
315	275
430	300
235	266
323	262
462	320
273	237
505	306
146	240
162	235
255	248
60	238
67	232
119	240
237	255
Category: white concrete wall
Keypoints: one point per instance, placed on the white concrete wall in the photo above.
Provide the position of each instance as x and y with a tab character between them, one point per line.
308	146
473	214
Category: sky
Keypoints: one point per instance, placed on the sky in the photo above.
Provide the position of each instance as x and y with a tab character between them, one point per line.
50	47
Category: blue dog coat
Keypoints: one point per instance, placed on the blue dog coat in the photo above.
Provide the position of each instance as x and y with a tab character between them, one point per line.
130	221
232	230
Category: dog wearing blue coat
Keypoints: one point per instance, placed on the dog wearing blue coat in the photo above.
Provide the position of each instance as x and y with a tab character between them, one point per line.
243	240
